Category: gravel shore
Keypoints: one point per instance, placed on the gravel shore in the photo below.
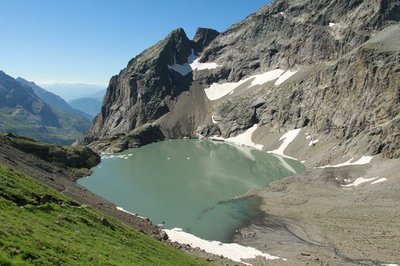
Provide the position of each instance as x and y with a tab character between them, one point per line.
316	218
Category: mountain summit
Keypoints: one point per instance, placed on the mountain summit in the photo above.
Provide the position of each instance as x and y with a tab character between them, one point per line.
148	88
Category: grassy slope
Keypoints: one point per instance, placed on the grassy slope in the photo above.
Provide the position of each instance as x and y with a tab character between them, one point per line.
40	226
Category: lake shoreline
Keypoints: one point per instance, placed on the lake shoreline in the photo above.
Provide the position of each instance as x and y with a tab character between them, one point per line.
313	218
172	193
294	212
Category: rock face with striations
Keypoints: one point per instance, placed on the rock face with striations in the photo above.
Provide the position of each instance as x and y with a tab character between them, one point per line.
337	74
148	89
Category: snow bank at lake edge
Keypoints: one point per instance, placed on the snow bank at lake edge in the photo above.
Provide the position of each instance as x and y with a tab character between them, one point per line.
244	139
231	251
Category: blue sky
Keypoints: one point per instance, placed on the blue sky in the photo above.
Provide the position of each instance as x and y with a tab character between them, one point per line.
88	41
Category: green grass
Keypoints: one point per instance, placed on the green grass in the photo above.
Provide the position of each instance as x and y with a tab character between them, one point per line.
39	226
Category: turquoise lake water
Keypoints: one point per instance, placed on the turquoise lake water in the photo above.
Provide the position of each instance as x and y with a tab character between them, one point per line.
188	184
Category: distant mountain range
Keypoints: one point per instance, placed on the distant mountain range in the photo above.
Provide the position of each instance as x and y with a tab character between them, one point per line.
28	109
85	98
51	98
88	105
71	91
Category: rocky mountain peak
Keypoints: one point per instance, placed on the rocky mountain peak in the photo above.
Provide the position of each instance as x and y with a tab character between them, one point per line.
338	56
178	47
174	48
203	37
147	88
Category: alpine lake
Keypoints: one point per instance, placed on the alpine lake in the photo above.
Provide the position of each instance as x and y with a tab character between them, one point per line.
189	184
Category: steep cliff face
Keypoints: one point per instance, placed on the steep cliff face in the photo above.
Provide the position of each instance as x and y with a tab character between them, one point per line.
148	88
353	100
286	34
329	67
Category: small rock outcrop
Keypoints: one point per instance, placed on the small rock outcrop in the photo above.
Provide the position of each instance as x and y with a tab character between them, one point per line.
71	157
203	38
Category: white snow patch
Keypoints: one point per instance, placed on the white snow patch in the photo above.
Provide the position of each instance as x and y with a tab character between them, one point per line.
359	181
213	120
312	142
363	160
192	64
332	24
287	138
128	212
284	77
390	264
217	90
379	181
266	77
232	251
196	65
308	137
245	139
131	213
